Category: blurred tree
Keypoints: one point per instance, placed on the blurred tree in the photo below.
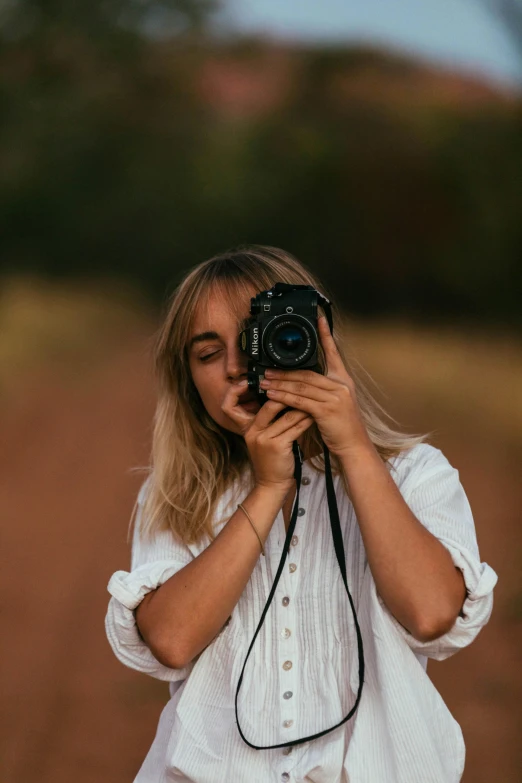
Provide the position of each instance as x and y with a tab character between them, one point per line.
98	124
21	18
123	152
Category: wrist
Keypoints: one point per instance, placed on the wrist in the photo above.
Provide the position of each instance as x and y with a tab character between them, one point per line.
363	451
282	488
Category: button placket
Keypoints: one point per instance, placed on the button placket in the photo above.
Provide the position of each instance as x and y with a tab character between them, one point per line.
280	528
287	639
294	556
288	705
285	768
288	668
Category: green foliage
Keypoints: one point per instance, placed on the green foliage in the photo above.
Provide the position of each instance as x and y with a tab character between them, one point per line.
115	158
100	19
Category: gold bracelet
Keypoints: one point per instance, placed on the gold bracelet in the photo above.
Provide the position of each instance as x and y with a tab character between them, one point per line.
240	505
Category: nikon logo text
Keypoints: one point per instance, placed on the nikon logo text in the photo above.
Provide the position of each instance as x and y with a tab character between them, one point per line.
255	341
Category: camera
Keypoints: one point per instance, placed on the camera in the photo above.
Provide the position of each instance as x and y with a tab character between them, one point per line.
282	332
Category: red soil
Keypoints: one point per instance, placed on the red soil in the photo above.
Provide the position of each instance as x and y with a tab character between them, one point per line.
72	711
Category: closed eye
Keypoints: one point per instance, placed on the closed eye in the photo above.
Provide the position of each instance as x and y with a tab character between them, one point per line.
208	356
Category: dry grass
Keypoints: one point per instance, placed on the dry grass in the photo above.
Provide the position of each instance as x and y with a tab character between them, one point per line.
473	379
62	327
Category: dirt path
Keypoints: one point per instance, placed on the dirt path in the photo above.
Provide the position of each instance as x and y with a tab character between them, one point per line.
72	712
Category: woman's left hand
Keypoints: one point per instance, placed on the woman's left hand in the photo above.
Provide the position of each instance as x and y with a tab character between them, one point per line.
330	399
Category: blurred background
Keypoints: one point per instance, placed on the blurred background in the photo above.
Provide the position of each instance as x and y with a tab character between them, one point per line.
381	144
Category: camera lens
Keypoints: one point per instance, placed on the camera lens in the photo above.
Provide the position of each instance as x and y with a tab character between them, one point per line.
290	341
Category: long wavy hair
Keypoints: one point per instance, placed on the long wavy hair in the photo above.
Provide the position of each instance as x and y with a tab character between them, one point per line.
193	459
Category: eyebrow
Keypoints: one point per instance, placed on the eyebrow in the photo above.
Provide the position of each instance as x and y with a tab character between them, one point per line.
200	338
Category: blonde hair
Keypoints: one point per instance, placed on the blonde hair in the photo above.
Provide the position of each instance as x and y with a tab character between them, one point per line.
193	459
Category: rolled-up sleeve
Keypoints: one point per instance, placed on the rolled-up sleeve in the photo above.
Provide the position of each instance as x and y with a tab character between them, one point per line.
437	498
152	564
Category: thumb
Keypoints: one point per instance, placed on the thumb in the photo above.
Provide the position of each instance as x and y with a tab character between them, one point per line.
242	418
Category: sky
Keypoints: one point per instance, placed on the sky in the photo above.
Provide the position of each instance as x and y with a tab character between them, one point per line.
459	33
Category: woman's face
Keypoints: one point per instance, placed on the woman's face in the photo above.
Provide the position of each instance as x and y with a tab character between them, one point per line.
216	362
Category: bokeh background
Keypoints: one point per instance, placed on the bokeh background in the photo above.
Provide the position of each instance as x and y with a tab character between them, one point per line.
380	144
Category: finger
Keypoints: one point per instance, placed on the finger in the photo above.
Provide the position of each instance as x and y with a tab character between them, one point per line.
288	420
298	429
266	415
300	389
298	401
232	408
309	377
327	341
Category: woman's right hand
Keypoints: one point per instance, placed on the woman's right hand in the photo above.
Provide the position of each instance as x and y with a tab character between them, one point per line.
269	442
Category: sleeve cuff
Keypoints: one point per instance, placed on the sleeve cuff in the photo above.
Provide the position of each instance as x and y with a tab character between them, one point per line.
480	579
127	591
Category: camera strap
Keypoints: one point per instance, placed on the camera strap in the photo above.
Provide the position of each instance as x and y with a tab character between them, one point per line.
339	551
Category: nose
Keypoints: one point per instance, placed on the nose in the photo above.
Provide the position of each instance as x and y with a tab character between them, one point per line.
237	362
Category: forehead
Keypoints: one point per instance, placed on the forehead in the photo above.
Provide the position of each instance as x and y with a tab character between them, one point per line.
219	308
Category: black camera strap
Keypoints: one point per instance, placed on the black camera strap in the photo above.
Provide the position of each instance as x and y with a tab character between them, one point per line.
339	551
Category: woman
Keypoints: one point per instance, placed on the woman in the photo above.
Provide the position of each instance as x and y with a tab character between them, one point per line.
210	526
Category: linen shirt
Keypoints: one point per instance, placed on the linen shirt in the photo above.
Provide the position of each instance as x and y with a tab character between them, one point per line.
302	673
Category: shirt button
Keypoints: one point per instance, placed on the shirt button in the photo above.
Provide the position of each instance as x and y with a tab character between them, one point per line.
285	601
285	633
288	723
301	512
287	751
294	540
285	776
305	481
287	665
287	695
292	567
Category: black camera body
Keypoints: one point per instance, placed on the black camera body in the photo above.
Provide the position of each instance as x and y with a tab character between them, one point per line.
282	332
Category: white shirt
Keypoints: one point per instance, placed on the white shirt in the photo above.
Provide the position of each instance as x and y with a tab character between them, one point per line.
302	674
